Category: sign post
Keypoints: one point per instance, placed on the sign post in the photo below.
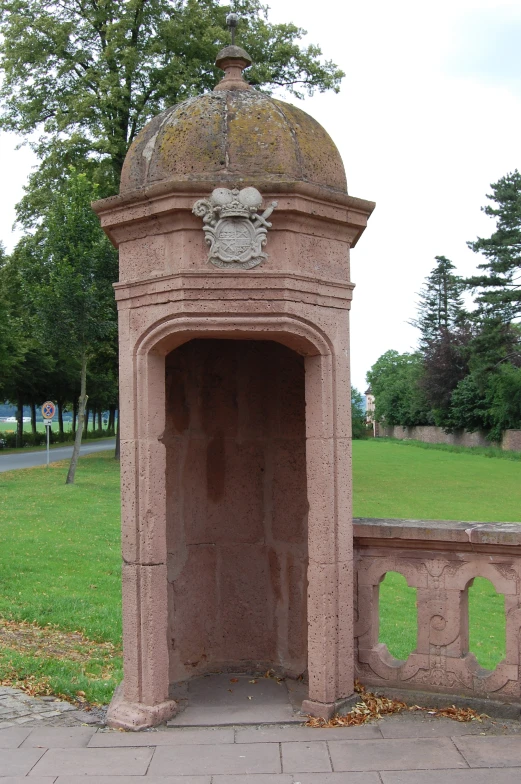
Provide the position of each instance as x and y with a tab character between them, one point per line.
48	411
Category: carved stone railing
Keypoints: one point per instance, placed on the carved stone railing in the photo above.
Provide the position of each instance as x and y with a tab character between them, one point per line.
440	559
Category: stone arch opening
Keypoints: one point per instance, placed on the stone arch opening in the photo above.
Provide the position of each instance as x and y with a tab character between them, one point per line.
397	615
236	507
486	638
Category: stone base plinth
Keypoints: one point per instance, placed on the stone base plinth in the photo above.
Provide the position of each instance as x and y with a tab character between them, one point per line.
326	710
135	716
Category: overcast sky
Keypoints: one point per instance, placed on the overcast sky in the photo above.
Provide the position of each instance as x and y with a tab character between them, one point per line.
428	116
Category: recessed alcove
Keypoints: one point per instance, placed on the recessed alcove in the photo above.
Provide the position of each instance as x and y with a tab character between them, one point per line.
236	507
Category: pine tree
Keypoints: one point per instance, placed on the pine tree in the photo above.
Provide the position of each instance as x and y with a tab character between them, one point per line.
440	309
498	288
443	337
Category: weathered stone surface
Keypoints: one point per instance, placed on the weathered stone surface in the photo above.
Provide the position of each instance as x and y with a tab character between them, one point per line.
236	467
220	135
440	559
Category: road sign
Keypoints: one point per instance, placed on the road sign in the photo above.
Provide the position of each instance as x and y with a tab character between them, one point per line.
48	410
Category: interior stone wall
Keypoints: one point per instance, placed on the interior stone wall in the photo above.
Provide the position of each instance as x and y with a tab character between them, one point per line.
236	507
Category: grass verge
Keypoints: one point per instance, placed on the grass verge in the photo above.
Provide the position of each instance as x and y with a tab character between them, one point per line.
479	451
395	479
60	569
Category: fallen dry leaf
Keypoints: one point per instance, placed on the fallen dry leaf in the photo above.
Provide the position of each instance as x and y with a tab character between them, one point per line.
51	641
372	706
234	680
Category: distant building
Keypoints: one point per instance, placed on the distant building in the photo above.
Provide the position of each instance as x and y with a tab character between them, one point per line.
369	411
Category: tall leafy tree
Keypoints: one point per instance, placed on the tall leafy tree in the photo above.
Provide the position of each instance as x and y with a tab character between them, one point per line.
498	287
26	379
86	76
9	346
75	302
399	399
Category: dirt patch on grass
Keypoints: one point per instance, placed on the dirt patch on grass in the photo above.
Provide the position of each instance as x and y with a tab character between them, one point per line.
52	642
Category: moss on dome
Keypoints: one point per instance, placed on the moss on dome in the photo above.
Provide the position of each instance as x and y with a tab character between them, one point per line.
230	135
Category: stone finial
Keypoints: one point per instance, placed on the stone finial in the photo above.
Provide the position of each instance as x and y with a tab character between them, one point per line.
233	60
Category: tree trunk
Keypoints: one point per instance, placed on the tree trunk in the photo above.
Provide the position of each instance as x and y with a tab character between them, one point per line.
100	419
81	418
74	416
33	418
118	439
19	422
59	405
112	412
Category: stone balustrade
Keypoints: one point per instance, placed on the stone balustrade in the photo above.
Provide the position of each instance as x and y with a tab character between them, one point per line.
440	559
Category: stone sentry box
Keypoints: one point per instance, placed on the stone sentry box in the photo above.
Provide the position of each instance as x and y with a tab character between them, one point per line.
234	227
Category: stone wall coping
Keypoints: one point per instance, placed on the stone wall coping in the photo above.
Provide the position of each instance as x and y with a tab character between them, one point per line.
449	531
267	187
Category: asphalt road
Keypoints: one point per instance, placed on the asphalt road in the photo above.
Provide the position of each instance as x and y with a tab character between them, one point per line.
31	459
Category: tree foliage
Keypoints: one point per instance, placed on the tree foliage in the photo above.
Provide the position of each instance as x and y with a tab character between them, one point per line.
358	426
444	335
87	75
469	364
399	399
498	287
440	309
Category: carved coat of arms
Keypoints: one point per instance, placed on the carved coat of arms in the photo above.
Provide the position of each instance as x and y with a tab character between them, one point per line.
233	227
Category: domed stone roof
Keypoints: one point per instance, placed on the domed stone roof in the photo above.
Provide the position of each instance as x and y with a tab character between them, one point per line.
234	133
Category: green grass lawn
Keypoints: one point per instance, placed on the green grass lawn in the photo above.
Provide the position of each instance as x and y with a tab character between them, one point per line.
60	565
60	557
11	426
402	481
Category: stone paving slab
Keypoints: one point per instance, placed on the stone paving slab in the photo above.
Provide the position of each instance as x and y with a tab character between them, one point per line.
18	762
228	699
474	776
215	760
91	762
305	757
414	726
12	737
491	752
283	734
32	780
59	737
396	754
128	780
340	778
259	778
162	738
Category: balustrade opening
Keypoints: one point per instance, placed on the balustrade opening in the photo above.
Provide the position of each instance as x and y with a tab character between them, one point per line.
398	616
487	623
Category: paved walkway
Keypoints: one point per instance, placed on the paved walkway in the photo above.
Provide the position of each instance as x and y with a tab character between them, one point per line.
16	460
393	751
401	749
